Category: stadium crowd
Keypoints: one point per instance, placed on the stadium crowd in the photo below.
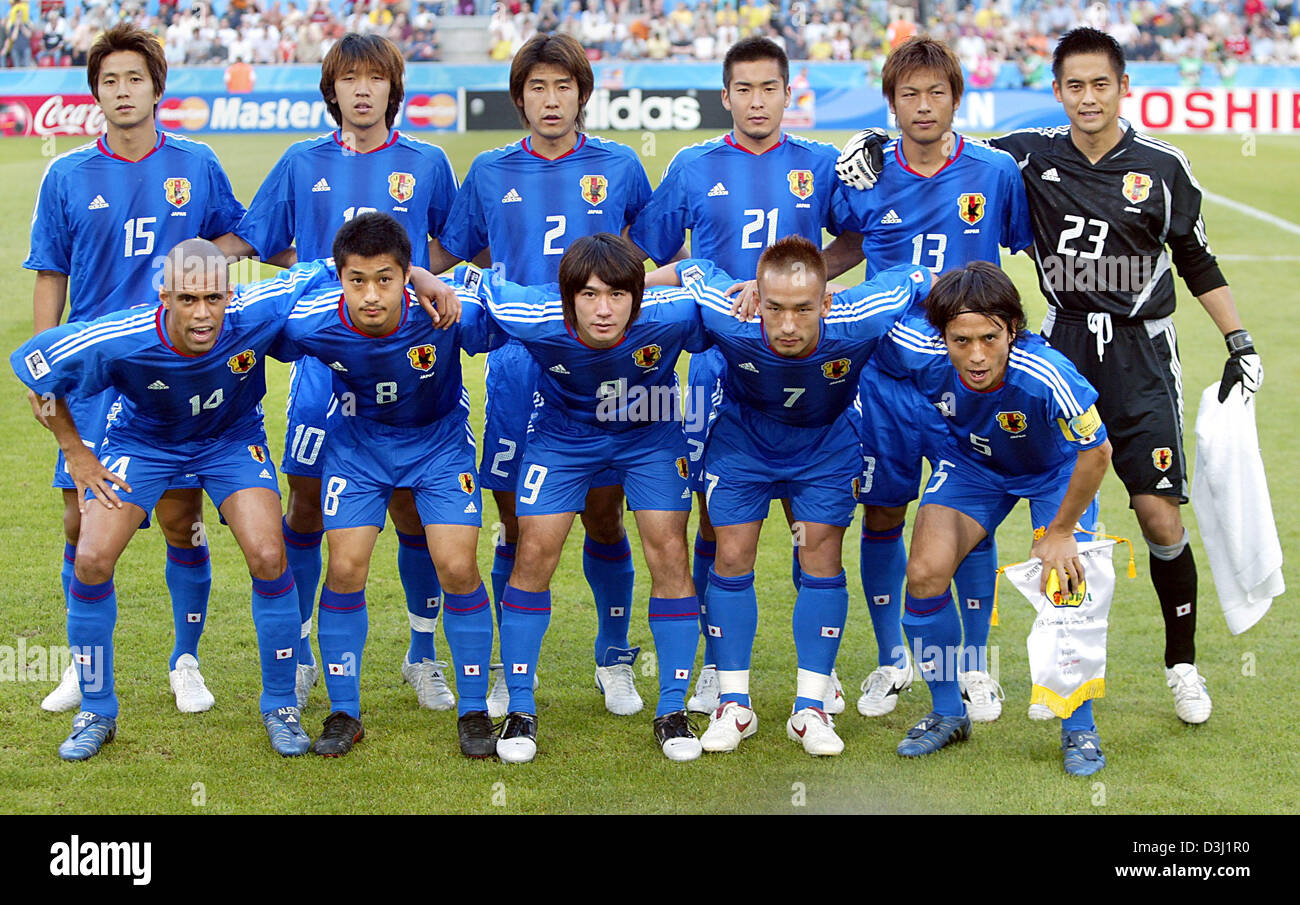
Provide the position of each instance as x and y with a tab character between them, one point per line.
987	34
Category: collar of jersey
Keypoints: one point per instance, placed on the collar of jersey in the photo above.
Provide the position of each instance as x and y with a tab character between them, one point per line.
160	322
1125	138
898	155
347	319
338	140
574	334
763	329
107	152
528	146
731	141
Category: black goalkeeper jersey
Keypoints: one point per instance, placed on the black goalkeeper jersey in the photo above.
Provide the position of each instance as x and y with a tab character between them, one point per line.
1105	234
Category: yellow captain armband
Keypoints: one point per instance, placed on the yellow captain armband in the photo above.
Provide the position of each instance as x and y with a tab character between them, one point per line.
1081	428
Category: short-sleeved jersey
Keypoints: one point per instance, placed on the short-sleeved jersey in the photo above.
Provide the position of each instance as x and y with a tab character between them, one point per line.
169	397
1040	416
965	212
630	384
320	184
736	203
528	209
1101	230
818	387
410	377
103	220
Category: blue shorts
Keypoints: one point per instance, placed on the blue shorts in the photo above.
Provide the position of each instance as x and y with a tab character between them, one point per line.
92	416
365	461
311	397
898	428
564	459
751	460
221	467
705	380
988	496
510	382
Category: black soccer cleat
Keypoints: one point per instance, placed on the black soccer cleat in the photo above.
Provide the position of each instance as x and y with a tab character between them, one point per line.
518	742
477	735
341	732
676	738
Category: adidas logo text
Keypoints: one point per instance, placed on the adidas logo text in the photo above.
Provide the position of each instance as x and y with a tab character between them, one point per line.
321	185
1050	175
471	508
98	204
1164	484
891	218
511	197
158	385
338	366
559	369
266	475
718	191
748	366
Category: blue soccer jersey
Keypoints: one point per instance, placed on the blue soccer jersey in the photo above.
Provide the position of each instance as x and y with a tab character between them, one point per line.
1042	413
528	209
965	212
407	378
736	202
104	220
817	388
320	184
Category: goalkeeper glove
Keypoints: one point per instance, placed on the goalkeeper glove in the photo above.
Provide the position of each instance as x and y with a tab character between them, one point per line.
862	159
1243	366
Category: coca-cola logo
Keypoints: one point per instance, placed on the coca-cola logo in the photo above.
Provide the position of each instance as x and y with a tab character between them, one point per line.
55	117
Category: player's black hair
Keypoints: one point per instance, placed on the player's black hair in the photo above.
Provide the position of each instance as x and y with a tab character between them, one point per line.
372	52
126	37
751	50
978	288
559	50
370	235
611	258
1087	40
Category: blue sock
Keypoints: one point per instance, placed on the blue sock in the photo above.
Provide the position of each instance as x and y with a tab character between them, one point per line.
796	570
610	573
705	550
503	563
675	627
469	636
975	578
189	580
303	551
819	614
344	624
934	628
275	616
92	615
525	616
733	623
1080	719
884	565
69	568
423	594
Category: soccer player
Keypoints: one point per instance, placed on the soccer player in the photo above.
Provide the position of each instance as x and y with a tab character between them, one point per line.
104	212
784	430
525	204
737	194
1021	423
191	376
316	187
609	402
401	421
940	202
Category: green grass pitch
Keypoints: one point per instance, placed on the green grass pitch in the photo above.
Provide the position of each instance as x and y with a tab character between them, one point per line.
591	761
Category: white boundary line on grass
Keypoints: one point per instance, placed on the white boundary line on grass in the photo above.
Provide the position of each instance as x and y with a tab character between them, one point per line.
1252	212
1258	258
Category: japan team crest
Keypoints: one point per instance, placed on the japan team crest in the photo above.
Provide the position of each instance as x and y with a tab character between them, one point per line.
647	356
243	362
1162	457
177	190
1012	422
258	454
970	206
422	357
801	183
595	189
1137	187
837	369
466	482
683	467
401	186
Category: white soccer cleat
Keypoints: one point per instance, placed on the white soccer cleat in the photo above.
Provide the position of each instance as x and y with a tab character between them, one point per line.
1041	712
67	696
430	683
307	676
881	688
728	725
1191	701
676	738
834	702
705	699
617	683
812	728
982	694
192	695
498	699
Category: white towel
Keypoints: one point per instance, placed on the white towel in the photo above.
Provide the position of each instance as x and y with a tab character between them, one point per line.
1230	496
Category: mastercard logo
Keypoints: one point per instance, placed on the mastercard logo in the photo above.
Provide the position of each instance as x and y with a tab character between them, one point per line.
190	113
432	111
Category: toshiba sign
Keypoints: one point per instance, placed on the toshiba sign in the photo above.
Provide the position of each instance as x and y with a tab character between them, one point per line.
1210	110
